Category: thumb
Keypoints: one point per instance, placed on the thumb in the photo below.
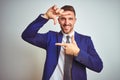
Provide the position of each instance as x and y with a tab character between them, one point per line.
73	40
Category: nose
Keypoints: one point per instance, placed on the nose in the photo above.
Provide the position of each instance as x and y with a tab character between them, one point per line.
66	22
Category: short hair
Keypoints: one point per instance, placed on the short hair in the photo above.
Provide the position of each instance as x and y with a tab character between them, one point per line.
69	8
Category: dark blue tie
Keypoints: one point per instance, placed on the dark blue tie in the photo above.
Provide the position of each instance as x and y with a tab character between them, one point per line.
68	64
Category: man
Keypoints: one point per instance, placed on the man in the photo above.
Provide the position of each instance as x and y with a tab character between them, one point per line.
76	49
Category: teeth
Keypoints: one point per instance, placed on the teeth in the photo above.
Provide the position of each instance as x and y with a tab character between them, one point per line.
66	26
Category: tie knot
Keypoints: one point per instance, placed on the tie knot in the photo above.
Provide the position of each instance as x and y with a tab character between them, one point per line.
67	41
67	37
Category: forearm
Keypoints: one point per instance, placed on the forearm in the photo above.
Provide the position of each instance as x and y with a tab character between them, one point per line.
89	57
31	34
33	28
92	62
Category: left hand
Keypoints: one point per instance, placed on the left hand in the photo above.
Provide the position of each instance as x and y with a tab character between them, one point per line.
70	48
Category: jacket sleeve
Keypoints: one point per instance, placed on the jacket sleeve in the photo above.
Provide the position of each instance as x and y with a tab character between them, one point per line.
31	34
90	58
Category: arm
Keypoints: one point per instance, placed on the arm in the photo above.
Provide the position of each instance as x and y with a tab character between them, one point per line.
31	34
90	58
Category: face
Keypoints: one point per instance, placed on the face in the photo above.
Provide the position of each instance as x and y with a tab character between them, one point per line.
67	21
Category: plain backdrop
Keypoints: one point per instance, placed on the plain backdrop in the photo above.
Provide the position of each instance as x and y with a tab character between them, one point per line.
20	60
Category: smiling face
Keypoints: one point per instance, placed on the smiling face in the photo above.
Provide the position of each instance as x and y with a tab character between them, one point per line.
67	21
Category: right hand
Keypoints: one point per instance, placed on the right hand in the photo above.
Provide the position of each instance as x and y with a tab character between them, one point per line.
53	13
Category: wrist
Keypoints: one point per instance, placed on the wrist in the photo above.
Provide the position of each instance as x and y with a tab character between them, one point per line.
76	52
45	16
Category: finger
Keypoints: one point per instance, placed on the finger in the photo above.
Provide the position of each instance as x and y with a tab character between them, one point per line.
61	44
55	7
57	10
64	47
61	11
73	40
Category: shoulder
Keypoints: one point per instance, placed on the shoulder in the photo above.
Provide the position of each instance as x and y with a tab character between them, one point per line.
52	32
83	39
82	36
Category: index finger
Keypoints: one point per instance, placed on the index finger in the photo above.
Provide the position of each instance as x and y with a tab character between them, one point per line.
61	44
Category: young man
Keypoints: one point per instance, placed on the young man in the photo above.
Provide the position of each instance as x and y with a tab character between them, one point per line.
68	52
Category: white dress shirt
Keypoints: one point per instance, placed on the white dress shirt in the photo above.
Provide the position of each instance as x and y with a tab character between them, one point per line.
59	70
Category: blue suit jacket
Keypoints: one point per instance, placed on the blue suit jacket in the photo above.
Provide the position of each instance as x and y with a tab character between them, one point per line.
87	57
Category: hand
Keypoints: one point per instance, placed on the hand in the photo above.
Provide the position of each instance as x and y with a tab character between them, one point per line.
53	13
70	48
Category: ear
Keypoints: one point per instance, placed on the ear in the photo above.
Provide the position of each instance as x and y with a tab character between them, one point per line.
75	19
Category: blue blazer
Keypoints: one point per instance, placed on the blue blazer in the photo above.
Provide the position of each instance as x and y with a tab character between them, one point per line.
87	57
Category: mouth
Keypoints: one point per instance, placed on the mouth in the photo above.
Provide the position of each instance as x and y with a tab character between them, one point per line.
66	27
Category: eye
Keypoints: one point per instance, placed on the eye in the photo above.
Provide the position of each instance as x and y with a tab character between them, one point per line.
62	18
70	18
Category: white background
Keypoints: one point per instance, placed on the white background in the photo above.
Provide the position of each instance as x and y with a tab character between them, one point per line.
99	19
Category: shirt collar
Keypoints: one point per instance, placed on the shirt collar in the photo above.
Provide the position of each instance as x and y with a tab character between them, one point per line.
70	34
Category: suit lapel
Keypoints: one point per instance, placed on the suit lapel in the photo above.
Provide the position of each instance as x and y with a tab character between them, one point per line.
59	40
77	39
